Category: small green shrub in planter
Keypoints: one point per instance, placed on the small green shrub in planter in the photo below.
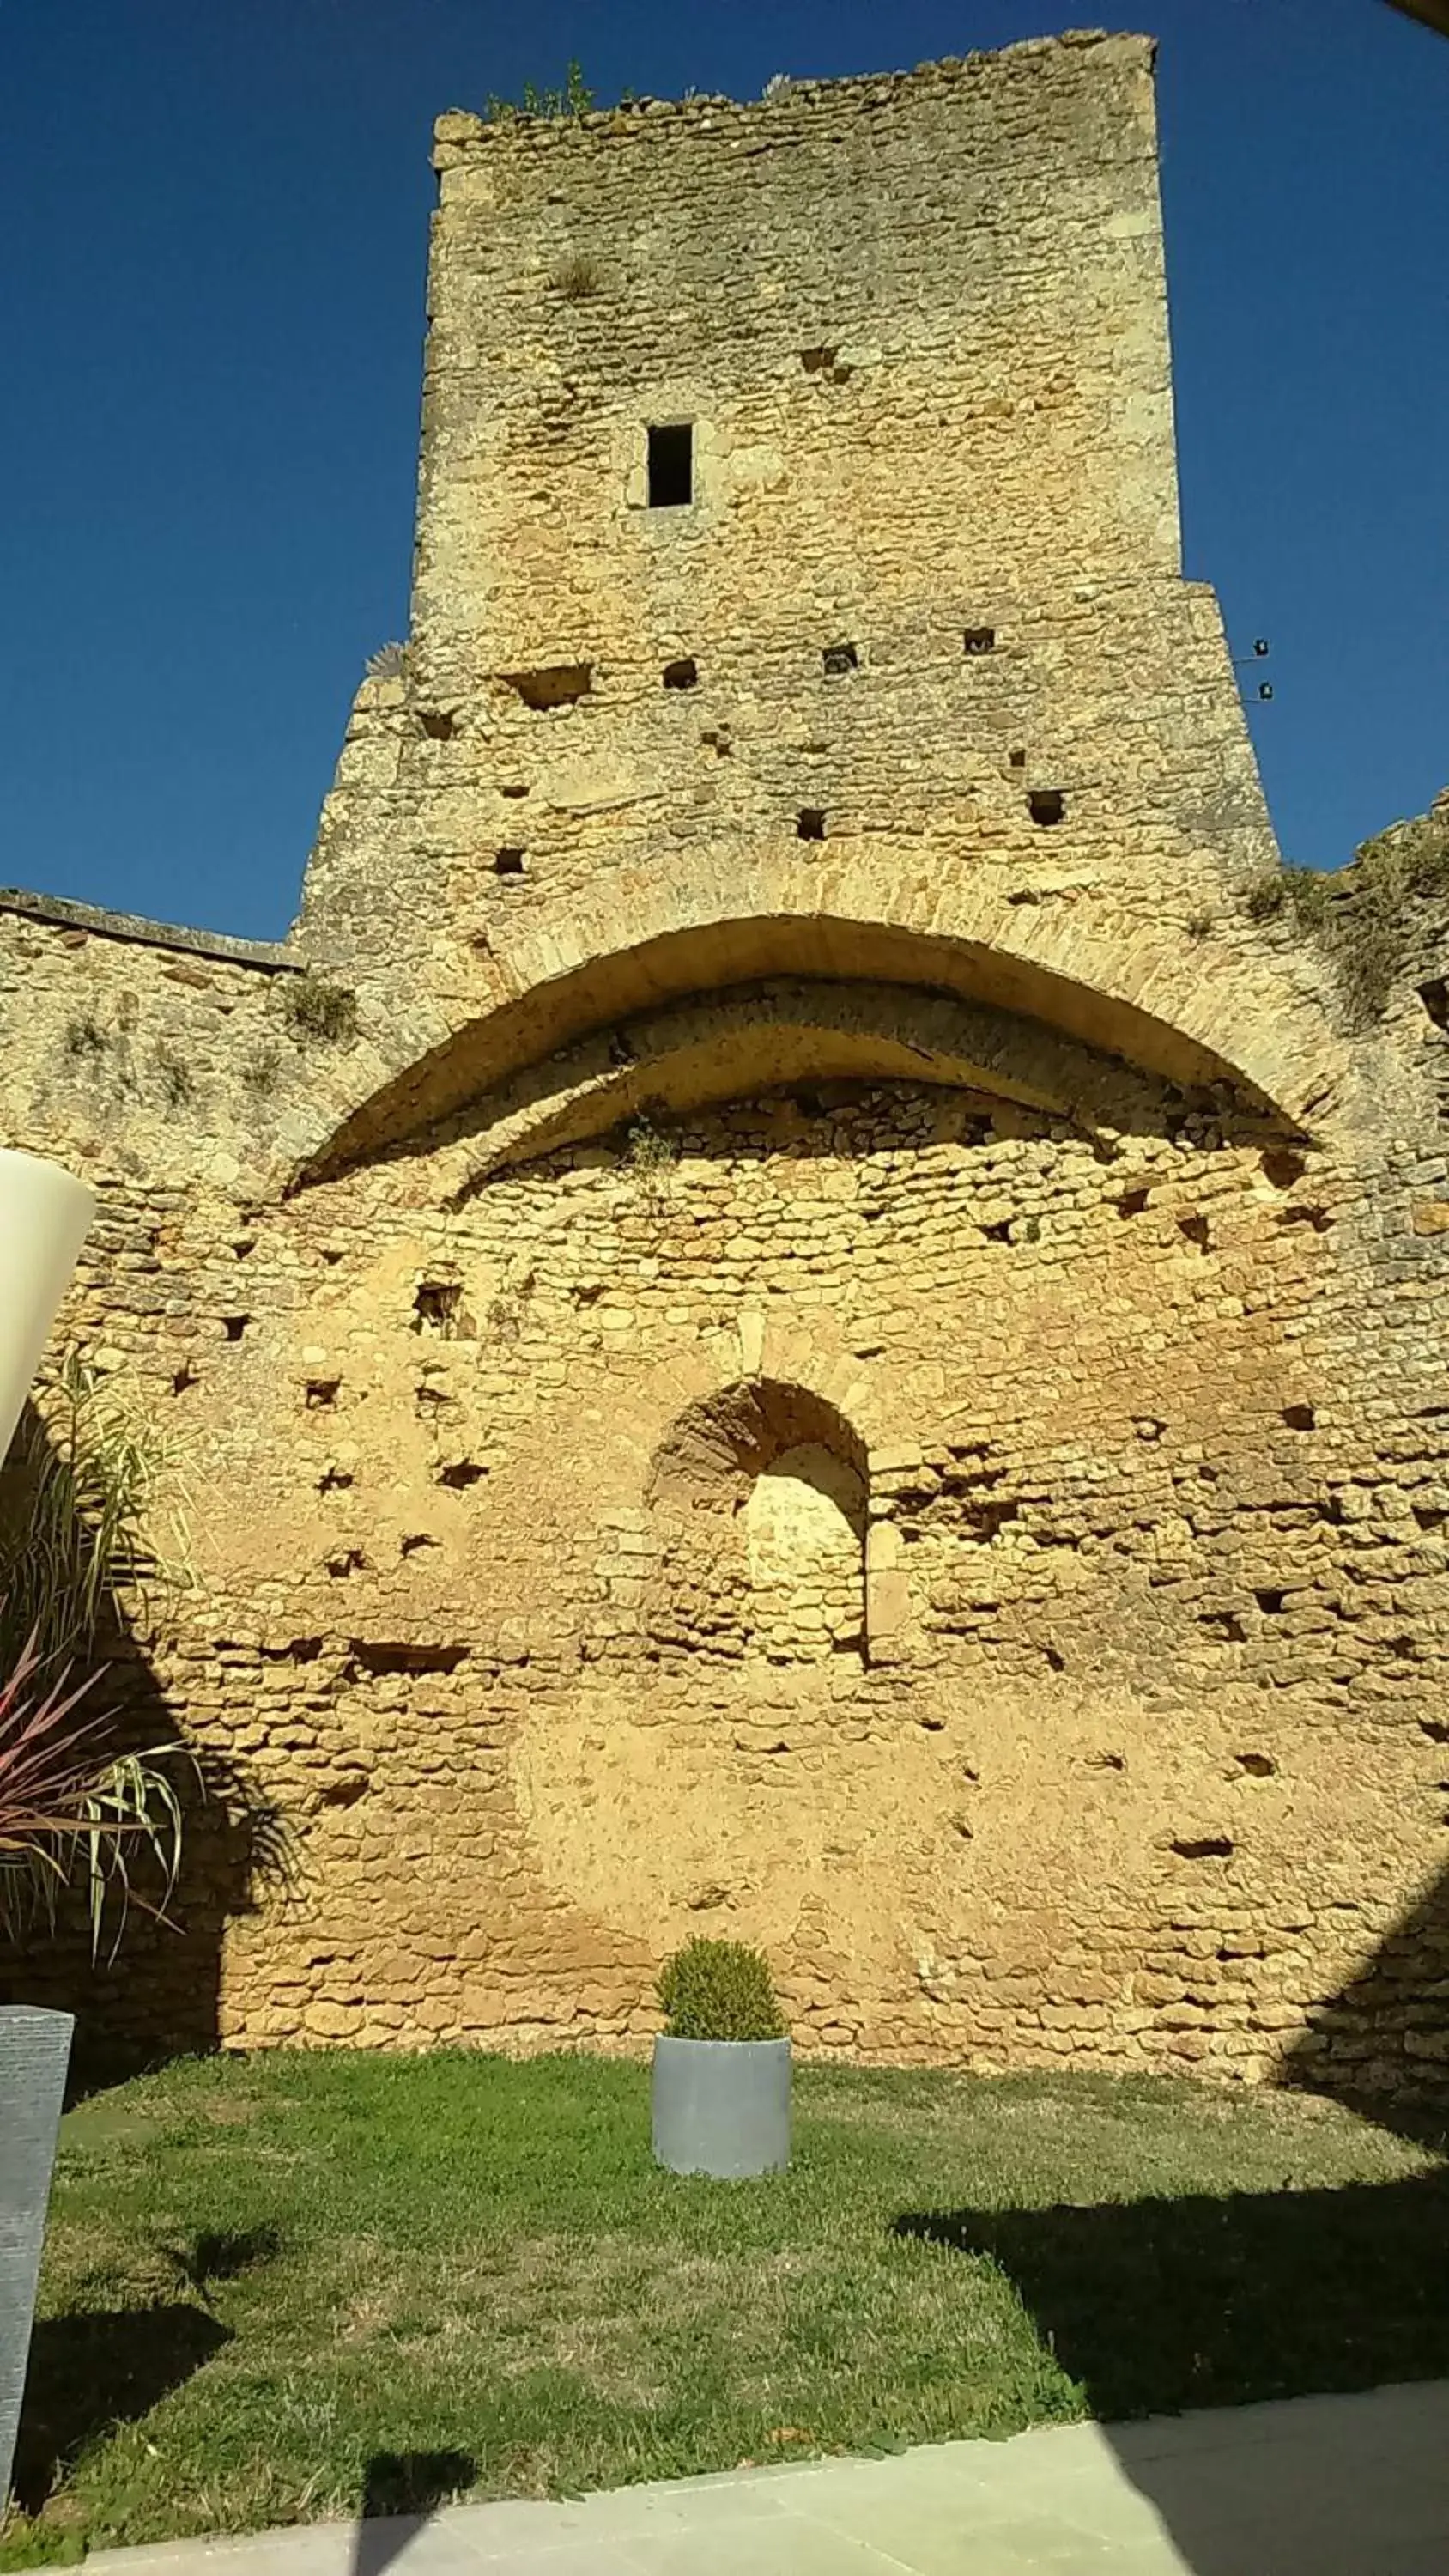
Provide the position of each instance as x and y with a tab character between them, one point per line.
722	2068
719	1990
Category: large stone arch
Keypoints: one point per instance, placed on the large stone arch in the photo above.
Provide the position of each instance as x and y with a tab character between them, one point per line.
1242	1009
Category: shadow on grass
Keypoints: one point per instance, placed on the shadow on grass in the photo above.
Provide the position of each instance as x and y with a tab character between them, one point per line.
99	2369
221	2254
400	2492
1157	2306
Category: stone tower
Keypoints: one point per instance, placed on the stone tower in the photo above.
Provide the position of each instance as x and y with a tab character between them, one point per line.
798	539
797	1307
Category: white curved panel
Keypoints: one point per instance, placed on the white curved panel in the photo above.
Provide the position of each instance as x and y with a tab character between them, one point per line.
45	1216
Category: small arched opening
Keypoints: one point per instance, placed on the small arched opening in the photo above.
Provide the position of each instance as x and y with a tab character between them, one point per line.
760	1494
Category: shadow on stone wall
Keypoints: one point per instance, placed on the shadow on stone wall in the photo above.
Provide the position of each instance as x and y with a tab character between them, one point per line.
157	1994
1381	2046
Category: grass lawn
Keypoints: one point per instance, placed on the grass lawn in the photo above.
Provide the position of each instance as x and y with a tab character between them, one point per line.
272	2283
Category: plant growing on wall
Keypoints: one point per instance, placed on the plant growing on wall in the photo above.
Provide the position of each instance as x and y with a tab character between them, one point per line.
85	1039
260	1071
1363	917
651	1153
575	98
578	277
313	1008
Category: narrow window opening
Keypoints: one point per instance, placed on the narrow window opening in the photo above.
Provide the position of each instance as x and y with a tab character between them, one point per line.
810	823
1435	997
671	466
1046	805
509	863
1018	760
980	639
437	724
234	1326
839	658
683	674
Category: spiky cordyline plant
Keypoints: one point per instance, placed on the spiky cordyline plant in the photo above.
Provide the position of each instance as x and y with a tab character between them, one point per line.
87	1479
80	1538
66	1796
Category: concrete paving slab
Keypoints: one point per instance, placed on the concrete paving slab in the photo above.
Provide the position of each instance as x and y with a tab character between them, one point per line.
1330	2486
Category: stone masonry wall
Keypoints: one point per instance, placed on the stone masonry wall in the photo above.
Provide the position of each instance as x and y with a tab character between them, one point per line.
1081	1791
764	1328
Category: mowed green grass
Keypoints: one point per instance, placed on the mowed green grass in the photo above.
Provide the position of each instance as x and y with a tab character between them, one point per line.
269	2282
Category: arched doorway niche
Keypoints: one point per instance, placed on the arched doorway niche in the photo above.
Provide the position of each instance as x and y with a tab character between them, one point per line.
761	1498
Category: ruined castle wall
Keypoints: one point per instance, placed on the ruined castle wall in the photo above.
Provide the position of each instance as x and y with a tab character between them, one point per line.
1133	1762
756	1335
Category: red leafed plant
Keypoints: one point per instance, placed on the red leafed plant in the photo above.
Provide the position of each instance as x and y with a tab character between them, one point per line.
74	1542
66	1796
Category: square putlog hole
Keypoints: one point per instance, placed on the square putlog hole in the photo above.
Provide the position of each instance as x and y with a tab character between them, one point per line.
510	863
838	659
683	674
557	684
1046	805
979	639
810	823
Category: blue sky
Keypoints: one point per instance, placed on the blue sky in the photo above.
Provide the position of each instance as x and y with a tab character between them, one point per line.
213	216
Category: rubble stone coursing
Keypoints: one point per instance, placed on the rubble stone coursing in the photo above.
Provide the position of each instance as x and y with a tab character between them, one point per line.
815	1354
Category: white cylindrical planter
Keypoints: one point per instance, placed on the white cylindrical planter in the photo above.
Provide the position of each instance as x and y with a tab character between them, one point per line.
34	2049
45	1216
722	2106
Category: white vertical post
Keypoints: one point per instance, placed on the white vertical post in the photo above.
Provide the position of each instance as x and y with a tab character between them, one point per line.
45	1216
